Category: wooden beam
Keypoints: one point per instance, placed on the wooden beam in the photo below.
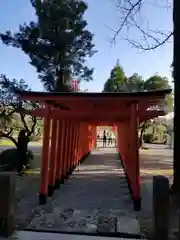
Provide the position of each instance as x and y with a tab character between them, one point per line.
95	114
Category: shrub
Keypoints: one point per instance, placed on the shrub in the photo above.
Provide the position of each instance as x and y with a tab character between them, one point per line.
148	138
9	159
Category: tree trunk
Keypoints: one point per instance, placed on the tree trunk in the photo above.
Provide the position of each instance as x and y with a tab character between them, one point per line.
141	135
176	62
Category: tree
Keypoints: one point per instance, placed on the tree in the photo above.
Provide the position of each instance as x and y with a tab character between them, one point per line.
136	83
116	81
57	44
157	82
130	10
14	113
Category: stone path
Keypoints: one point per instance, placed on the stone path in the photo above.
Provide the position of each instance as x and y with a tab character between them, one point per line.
23	235
94	199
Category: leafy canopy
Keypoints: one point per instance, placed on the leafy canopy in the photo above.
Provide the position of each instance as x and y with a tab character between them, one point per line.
118	82
14	113
57	44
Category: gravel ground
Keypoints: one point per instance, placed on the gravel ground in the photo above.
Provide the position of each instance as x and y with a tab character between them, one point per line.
157	160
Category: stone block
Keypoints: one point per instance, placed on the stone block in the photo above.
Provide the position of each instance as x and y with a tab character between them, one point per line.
128	225
160	207
7	203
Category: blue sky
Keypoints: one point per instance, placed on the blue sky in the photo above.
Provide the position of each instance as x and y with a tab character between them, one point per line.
101	18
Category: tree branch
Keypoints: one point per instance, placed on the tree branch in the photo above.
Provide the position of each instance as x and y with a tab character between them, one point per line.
24	122
34	120
130	10
152	47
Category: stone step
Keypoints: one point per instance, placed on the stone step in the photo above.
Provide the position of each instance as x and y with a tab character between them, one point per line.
21	235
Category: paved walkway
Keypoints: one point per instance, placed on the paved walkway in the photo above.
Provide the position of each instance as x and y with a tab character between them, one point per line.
94	199
23	235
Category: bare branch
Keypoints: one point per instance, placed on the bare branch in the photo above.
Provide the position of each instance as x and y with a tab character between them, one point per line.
152	47
131	11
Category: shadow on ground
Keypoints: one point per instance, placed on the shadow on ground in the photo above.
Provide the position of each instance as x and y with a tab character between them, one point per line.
98	190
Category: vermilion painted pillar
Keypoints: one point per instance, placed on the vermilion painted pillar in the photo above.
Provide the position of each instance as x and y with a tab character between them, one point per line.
93	136
87	140
80	141
90	137
56	153
69	148
122	139
52	167
66	150
74	144
84	139
119	138
127	158
45	159
59	151
63	143
77	159
135	155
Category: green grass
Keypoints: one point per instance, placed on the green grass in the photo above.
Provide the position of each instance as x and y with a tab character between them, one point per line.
8	143
5	142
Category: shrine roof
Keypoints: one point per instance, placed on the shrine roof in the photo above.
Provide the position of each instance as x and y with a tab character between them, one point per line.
103	106
57	95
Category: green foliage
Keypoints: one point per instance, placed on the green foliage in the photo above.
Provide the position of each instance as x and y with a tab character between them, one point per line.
117	80
57	44
157	82
14	113
9	159
135	83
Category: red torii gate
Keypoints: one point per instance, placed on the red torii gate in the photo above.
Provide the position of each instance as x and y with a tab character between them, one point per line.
70	121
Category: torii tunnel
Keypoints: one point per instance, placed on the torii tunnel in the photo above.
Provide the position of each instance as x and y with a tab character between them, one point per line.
70	121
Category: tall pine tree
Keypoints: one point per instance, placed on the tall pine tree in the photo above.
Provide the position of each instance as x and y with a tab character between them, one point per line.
57	44
117	82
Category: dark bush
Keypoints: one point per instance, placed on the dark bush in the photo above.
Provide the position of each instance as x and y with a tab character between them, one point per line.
148	137
9	159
